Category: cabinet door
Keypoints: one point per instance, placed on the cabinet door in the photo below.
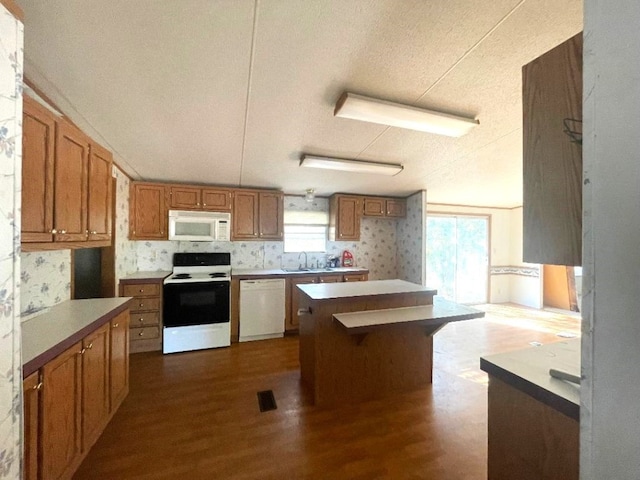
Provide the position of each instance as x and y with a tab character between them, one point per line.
185	197
348	218
118	360
271	216
95	385
148	214
396	208
245	215
355	277
374	207
61	414
70	184
38	140
31	398
99	193
216	199
294	319
330	278
552	164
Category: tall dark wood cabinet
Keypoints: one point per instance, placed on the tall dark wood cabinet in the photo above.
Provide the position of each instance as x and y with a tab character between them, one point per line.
552	167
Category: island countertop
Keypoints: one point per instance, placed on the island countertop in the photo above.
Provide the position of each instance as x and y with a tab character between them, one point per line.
326	291
528	371
47	335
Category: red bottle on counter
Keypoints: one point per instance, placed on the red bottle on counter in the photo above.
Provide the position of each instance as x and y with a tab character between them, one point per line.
347	259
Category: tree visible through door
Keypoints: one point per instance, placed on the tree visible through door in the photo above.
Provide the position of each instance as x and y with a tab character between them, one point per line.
458	257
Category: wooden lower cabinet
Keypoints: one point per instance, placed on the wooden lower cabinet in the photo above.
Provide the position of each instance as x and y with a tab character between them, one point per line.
355	277
80	390
146	314
95	385
61	422
118	360
31	401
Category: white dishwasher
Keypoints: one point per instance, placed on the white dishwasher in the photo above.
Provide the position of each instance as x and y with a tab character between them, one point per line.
262	305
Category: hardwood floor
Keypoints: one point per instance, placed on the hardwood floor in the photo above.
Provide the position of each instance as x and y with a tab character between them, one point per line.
195	415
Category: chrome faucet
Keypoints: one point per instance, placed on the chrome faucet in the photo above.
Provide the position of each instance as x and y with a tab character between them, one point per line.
305	261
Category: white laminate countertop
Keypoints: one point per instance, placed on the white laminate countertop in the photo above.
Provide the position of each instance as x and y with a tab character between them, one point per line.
326	291
45	332
240	272
155	275
528	369
442	311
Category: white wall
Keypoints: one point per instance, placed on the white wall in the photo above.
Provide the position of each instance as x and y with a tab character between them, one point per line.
525	287
411	259
610	390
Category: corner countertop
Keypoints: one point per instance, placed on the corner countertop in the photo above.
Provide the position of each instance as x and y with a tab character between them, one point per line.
326	291
528	371
155	276
278	272
46	336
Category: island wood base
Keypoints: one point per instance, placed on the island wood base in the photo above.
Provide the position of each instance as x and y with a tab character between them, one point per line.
529	440
338	369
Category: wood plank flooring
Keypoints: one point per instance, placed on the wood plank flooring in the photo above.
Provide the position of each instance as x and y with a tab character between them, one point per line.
195	415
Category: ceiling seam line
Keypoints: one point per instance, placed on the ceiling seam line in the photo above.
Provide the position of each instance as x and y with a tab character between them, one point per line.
450	69
250	76
470	50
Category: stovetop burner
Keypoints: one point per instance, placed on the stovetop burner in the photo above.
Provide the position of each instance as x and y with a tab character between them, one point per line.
181	275
218	274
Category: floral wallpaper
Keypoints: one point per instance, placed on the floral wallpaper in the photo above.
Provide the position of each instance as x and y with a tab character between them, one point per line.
11	55
45	280
375	251
411	230
126	261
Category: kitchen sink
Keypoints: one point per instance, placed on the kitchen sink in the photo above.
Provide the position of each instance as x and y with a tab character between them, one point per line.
308	270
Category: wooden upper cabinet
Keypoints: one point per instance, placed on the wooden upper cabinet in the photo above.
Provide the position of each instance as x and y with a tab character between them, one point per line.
344	217
148	214
396	207
38	142
185	197
245	215
99	220
374	206
384	207
61	407
552	168
200	198
216	199
70	184
271	206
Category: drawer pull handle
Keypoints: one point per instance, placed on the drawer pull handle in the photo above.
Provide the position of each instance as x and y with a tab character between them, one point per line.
142	290
141	319
116	325
141	334
81	352
304	311
90	346
142	304
38	386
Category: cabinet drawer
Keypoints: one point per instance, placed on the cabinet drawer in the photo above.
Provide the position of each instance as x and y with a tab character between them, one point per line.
145	304
144	319
145	333
141	290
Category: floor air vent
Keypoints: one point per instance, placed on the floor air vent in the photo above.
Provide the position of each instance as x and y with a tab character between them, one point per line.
266	401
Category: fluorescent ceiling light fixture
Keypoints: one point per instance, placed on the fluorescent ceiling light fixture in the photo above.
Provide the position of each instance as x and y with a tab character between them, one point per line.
359	166
358	107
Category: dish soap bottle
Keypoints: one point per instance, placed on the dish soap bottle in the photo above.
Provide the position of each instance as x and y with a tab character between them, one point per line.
347	259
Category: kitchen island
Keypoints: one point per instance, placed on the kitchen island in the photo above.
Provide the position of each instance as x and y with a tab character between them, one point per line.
533	418
365	340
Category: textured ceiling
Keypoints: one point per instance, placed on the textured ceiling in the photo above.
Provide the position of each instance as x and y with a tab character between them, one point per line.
232	92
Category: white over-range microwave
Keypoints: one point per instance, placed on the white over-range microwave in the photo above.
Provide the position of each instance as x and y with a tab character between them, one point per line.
199	226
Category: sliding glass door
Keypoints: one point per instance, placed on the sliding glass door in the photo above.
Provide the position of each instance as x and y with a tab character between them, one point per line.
458	257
